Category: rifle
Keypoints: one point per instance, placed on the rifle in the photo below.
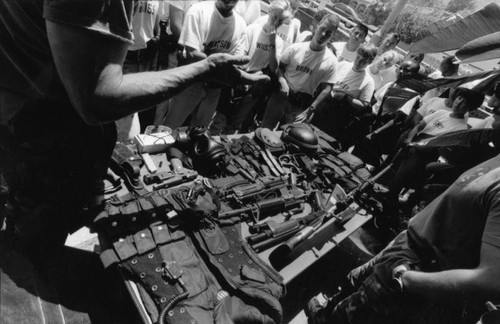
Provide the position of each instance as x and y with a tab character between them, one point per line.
354	194
272	233
339	210
253	191
267	207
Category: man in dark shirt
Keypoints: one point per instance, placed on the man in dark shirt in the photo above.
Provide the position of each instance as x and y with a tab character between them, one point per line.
443	268
61	88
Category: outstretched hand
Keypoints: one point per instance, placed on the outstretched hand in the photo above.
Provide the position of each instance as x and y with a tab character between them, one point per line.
305	116
223	69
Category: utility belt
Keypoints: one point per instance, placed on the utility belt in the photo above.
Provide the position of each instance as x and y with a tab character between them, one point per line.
301	99
142	55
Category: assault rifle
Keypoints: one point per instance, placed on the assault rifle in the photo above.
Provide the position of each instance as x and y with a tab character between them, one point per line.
267	207
339	210
253	191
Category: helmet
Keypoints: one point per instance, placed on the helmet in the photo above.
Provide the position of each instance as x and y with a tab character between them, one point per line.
301	136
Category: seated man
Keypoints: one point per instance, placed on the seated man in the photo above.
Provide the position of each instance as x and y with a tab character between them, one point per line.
303	67
346	51
351	94
407	69
384	139
381	63
442	121
438	123
442	269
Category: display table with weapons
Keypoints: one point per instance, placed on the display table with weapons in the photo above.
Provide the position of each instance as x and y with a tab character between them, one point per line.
210	221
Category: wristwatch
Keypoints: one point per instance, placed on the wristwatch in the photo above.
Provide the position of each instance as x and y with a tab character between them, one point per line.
397	276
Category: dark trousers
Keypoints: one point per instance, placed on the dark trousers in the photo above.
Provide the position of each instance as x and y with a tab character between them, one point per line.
53	164
368	304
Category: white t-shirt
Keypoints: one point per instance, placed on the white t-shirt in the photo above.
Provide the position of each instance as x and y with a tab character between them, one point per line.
377	79
388	75
358	85
435	75
206	30
289	33
342	53
432	105
306	69
147	13
305	36
259	48
440	122
249	10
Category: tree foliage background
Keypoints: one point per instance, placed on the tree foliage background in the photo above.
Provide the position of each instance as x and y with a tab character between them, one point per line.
420	17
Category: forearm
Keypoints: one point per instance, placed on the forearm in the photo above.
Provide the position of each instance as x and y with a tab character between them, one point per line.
273	61
176	19
195	55
414	131
322	96
120	95
452	285
384	127
355	103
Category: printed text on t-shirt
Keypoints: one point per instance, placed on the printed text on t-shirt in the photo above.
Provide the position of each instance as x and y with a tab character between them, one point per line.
265	47
304	69
149	8
220	44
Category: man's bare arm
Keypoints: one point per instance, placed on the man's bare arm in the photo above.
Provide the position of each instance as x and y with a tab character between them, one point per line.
415	131
452	285
322	96
90	67
176	20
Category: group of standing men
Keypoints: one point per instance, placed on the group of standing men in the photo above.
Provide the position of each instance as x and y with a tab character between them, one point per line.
304	70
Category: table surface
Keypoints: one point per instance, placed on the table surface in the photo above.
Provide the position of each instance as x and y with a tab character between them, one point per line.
323	240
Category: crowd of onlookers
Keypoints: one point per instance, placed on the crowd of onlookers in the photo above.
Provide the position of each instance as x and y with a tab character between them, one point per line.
368	97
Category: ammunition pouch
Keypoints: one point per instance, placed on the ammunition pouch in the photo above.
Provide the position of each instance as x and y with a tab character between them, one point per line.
239	266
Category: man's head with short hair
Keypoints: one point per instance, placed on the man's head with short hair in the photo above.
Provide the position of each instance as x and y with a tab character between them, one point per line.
226	7
279	11
408	68
467	100
386	60
365	54
449	66
318	16
416	57
389	42
326	29
494	101
358	33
